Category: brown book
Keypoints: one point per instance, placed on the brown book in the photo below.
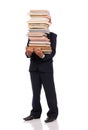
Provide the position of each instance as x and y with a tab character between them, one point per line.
37	34
38	22
40	38
38	26
37	45
39	12
46	50
42	47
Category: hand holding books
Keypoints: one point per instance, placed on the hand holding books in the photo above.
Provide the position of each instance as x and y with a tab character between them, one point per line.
37	51
29	51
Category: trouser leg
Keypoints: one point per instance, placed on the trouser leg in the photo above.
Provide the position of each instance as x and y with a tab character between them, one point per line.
36	88
49	87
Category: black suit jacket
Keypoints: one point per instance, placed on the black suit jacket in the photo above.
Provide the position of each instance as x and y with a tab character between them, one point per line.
45	64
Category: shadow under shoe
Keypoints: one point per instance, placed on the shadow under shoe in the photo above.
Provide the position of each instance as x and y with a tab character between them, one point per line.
30	117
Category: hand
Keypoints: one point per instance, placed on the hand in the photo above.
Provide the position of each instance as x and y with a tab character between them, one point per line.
29	51
38	52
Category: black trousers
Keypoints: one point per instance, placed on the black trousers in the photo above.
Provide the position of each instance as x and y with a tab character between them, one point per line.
46	79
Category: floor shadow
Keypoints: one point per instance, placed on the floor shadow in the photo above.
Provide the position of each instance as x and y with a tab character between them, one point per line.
36	124
53	125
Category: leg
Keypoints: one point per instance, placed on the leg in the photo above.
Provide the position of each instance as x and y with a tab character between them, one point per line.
36	88
49	87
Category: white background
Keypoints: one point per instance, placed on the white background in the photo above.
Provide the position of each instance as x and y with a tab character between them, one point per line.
70	22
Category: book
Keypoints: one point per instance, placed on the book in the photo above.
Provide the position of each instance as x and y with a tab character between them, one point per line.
38	26
40	42
37	45
40	38
39	29
39	12
46	50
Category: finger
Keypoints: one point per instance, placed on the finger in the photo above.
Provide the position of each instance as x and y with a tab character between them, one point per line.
38	48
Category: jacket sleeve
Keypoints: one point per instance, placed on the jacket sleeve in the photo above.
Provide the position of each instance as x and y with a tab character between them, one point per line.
25	51
53	40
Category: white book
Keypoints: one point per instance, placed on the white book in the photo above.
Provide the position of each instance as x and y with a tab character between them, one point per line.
40	42
39	19
43	45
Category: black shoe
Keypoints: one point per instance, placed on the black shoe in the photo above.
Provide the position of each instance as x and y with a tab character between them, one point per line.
31	117
50	119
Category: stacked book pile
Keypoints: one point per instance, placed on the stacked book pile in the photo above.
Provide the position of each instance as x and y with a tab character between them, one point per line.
38	30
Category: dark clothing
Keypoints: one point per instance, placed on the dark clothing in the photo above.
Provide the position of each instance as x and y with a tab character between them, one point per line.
41	72
46	79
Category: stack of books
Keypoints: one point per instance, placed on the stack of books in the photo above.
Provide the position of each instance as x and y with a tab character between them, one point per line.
38	30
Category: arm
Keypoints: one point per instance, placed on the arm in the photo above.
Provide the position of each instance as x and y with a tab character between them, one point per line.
28	51
31	52
39	53
53	39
